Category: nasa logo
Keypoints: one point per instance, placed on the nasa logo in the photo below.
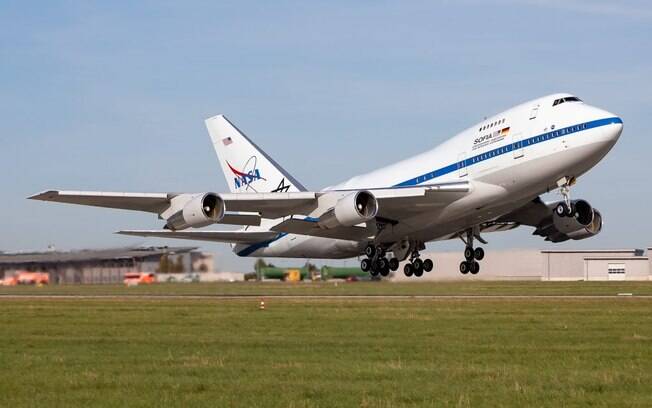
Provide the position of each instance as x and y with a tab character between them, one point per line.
249	174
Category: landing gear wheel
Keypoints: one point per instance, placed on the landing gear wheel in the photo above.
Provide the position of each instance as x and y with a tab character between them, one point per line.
428	265
468	253
474	267
385	271
383	264
562	210
374	272
418	270
365	265
478	253
464	267
393	264
370	250
408	270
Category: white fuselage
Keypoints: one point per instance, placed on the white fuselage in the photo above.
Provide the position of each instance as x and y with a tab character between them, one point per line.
509	159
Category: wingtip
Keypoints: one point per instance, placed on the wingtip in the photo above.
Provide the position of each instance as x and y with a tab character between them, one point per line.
44	195
127	232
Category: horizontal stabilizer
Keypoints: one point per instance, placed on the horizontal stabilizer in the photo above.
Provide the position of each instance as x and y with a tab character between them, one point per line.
232	237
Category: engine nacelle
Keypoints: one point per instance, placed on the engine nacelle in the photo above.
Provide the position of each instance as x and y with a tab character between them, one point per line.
201	210
350	210
585	221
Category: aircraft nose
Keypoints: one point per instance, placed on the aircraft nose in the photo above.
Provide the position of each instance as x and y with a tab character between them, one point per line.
614	127
612	123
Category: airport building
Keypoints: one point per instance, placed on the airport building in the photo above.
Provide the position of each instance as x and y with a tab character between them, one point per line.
106	265
545	265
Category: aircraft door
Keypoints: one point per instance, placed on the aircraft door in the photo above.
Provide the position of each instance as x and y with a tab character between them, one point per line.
534	112
461	165
517	145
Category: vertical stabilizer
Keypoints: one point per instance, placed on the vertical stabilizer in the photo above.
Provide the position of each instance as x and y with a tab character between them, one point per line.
246	167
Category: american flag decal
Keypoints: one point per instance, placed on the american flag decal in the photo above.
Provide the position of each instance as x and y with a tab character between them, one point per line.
227	141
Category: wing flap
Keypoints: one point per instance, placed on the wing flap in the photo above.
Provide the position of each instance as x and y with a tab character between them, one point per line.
272	205
307	227
233	237
404	202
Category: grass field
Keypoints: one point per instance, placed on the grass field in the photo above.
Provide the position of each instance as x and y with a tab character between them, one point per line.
466	287
327	353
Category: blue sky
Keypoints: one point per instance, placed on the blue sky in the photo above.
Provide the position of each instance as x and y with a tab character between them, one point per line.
112	96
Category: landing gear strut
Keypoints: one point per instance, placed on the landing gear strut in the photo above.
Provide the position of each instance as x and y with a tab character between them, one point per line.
471	255
565	208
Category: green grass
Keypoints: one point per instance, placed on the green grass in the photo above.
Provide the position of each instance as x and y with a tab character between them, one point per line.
335	353
464	287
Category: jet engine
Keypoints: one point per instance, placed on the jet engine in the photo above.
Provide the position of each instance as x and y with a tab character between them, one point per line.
350	210
199	211
584	222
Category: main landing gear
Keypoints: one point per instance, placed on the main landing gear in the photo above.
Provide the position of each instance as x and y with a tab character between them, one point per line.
471	255
416	266
377	262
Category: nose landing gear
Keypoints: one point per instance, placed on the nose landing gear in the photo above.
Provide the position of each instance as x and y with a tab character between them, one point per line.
566	207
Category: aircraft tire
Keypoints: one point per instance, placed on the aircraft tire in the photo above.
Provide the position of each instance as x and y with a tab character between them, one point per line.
428	265
385	271
464	267
418	271
478	254
393	264
365	265
474	268
562	210
408	270
370	250
468	253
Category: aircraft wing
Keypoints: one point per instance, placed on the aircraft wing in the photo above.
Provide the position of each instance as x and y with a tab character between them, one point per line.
310	227
399	203
395	204
232	237
267	205
148	202
537	214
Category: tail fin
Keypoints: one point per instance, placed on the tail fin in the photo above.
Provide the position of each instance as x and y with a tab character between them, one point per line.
246	167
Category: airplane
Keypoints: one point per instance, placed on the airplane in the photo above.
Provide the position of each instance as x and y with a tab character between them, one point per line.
488	178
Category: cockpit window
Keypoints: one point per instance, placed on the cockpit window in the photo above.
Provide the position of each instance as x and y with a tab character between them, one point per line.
566	99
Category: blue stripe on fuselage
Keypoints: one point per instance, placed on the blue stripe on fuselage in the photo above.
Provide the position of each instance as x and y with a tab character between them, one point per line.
520	144
263	244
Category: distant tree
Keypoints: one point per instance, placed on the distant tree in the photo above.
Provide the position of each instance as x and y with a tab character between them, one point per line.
311	267
259	264
163	264
178	266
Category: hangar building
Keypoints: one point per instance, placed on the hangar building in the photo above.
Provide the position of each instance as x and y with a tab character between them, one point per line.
105	265
545	265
